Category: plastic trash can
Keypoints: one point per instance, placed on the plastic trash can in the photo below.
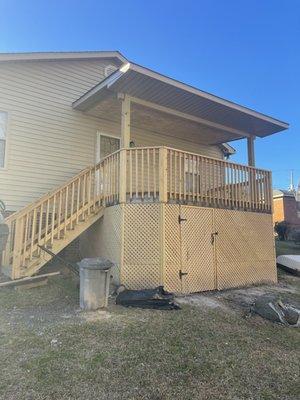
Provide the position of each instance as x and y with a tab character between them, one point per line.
94	282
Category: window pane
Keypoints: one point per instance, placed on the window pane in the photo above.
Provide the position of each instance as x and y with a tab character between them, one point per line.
108	145
2	153
3	118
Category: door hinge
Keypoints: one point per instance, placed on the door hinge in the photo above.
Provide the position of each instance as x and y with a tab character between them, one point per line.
181	274
181	219
213	237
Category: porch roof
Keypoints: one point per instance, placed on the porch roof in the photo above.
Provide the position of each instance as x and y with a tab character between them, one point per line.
145	85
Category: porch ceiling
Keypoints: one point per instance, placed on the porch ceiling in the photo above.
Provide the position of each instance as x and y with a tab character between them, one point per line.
148	119
229	121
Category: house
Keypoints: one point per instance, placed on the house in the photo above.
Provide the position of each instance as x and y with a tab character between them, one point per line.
134	165
286	207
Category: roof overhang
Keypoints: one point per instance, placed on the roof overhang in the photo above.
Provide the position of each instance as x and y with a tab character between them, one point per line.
168	94
64	55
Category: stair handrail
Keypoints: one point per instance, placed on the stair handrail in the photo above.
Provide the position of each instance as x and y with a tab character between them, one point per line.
12	217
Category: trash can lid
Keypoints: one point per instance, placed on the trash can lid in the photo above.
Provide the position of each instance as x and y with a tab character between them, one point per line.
99	263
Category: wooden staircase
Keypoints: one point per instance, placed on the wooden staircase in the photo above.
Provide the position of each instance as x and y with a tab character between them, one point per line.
59	217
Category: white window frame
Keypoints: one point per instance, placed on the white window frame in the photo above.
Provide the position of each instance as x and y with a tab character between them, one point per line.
4	167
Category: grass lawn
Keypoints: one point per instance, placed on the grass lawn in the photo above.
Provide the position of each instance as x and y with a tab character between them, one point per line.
286	247
51	350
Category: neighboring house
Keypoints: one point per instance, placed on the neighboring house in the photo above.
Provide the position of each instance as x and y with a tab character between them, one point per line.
136	165
286	207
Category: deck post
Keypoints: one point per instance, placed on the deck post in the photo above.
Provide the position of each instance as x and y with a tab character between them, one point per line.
251	154
16	263
122	176
163	175
125	120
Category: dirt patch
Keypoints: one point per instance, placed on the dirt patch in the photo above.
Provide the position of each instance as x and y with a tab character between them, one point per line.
202	301
241	300
95	316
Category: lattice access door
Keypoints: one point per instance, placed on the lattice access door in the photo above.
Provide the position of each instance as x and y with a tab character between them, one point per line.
244	248
198	271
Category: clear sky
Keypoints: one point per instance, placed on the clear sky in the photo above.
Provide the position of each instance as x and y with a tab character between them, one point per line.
244	51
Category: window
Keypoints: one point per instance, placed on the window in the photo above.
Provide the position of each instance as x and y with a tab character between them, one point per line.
3	124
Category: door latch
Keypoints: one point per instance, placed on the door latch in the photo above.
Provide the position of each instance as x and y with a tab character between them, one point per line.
181	274
181	219
213	237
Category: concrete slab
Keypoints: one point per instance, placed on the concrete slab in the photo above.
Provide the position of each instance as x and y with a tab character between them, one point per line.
290	263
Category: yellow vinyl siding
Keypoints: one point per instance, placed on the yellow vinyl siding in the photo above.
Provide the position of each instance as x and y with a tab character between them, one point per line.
48	142
186	143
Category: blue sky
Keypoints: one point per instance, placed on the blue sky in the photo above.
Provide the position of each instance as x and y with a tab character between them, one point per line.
245	51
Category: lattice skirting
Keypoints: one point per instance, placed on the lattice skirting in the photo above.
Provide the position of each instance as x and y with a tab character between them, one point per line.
209	249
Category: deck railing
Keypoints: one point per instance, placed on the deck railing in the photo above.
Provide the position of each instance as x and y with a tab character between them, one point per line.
143	174
171	175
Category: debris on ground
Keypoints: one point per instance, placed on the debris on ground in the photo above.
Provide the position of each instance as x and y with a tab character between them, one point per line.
156	298
275	309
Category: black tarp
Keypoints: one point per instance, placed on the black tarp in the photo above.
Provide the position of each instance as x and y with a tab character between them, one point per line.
156	298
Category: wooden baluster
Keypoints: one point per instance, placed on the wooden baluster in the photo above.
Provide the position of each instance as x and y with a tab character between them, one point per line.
253	175
40	228
89	192
180	177
261	199
78	199
59	214
148	173
24	242
33	228
53	220
242	187
256	189
199	178
192	178
238	188
142	171
72	204
226	182
66	209
47	222
175	175
154	174
83	197
96	187
247	188
170	175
